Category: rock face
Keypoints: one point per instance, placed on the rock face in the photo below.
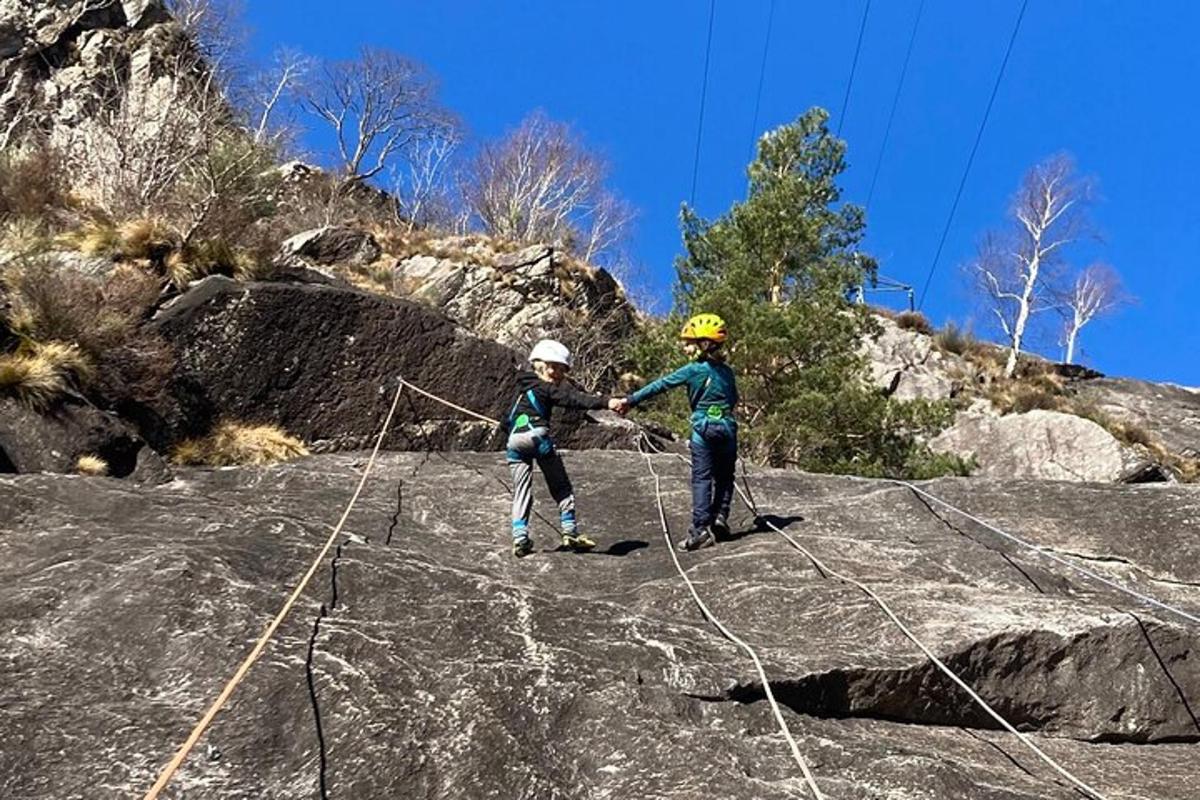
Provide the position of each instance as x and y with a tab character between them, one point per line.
514	298
33	442
1171	412
906	365
1038	444
426	662
334	244
322	362
58	58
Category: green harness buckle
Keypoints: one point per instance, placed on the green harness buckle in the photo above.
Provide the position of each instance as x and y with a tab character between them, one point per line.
714	412
521	422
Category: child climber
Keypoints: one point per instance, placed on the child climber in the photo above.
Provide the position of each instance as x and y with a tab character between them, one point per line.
712	393
541	390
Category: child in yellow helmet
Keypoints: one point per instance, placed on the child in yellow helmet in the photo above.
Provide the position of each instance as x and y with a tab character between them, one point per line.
712	393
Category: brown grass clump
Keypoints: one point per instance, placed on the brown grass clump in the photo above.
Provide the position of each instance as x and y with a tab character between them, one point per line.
956	340
39	374
914	321
95	238
98	320
145	239
32	182
94	466
236	444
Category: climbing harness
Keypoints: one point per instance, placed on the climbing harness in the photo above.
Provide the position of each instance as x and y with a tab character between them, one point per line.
645	447
169	771
704	609
728	634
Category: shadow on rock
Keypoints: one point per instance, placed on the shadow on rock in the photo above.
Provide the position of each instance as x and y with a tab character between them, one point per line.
622	548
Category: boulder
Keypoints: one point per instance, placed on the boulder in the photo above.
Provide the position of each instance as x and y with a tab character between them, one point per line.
906	364
1038	444
322	362
53	442
515	298
1171	413
424	661
332	244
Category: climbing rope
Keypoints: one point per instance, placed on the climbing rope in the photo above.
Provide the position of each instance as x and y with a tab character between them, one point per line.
169	771
704	609
726	632
643	442
1145	598
447	403
827	570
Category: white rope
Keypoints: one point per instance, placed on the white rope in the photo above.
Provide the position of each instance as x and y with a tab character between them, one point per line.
1145	598
728	634
928	653
731	636
448	404
169	771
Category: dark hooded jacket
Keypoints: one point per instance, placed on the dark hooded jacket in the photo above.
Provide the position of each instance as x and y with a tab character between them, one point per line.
537	398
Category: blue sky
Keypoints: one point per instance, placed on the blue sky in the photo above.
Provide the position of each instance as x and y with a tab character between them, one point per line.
1113	83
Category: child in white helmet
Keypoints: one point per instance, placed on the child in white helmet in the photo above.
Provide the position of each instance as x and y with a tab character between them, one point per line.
541	389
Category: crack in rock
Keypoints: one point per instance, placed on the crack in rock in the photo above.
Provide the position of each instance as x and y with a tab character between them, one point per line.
1110	683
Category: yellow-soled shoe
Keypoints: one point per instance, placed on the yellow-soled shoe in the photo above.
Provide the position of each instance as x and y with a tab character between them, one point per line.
577	542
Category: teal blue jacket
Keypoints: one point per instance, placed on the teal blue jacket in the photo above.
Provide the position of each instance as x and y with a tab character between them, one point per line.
709	384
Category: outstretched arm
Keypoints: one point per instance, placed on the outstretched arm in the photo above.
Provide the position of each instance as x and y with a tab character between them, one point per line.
669	381
568	396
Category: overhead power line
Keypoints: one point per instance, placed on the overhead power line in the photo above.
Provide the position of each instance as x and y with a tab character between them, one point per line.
762	72
862	28
971	159
712	10
887	131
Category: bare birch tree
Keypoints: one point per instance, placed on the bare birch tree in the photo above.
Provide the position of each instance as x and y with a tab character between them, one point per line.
379	106
541	184
1096	291
423	188
1015	272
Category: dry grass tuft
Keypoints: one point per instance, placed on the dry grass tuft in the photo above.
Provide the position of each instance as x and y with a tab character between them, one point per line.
914	321
39	374
236	444
94	466
32	182
95	238
25	236
145	239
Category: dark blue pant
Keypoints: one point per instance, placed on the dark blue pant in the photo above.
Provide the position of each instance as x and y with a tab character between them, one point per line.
714	457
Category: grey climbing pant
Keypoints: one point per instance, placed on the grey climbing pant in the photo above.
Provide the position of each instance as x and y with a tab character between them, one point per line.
523	449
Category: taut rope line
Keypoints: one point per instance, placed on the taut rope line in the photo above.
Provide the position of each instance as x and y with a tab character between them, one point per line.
1145	598
728	634
169	771
824	568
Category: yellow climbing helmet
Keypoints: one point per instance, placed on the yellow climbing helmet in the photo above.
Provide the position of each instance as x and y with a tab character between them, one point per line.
704	326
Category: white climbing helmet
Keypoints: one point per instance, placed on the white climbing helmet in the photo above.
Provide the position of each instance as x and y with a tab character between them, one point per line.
552	351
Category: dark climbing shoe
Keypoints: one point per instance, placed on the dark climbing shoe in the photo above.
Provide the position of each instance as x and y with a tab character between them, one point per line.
698	539
576	541
522	546
720	529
